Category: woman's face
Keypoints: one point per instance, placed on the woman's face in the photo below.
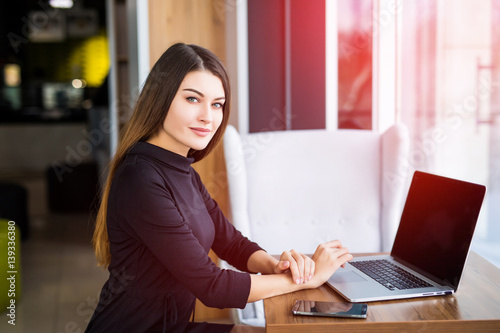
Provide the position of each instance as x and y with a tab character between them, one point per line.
194	115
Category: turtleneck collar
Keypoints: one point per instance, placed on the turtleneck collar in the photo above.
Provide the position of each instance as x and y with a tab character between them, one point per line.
174	160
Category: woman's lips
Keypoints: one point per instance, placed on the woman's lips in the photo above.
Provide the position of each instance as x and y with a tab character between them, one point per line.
200	131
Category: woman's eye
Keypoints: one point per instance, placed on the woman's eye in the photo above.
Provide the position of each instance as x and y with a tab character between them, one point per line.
192	99
218	105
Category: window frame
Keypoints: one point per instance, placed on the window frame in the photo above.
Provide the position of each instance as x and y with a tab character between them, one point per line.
386	95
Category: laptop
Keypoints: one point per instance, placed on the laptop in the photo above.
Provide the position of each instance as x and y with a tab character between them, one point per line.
431	245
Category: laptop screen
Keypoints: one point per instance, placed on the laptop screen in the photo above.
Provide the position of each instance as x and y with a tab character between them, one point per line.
437	225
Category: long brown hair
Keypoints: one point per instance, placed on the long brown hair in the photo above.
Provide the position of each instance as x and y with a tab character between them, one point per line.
149	113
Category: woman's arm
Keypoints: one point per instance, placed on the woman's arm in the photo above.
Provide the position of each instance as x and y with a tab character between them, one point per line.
299	265
264	286
328	257
261	262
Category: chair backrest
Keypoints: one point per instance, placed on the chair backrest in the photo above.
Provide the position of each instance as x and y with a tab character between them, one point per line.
297	189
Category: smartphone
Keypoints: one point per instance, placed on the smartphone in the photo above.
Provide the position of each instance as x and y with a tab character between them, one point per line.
330	309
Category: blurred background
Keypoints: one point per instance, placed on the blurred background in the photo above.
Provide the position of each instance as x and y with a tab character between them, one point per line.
70	72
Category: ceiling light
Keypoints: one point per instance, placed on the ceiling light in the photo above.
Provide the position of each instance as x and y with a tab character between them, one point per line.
61	3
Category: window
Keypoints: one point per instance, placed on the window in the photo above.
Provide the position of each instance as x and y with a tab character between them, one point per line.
287	59
435	66
450	97
286	43
355	63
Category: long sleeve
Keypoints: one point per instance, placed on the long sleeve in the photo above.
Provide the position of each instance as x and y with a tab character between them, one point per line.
152	215
161	224
229	244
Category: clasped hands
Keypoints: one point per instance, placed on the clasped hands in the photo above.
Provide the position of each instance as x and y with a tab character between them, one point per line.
327	258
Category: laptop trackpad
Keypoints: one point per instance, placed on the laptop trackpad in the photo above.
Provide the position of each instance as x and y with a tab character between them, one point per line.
346	277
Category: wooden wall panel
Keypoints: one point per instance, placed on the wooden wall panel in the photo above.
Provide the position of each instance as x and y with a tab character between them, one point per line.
200	22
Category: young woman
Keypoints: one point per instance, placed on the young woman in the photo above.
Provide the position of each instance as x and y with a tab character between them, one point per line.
157	222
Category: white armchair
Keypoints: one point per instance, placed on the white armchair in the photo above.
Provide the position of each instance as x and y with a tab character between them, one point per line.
297	189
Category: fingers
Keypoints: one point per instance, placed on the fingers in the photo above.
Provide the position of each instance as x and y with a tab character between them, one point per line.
312	268
283	265
309	268
333	243
340	257
297	267
293	266
327	258
346	257
343	256
301	267
327	248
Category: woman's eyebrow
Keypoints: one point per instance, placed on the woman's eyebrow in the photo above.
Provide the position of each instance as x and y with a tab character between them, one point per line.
201	94
195	91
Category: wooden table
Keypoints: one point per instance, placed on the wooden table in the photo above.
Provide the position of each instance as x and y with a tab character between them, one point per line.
474	308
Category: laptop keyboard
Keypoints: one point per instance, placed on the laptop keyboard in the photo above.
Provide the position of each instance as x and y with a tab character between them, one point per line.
389	275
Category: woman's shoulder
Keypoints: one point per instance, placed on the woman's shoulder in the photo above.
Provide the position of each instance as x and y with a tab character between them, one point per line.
135	169
161	156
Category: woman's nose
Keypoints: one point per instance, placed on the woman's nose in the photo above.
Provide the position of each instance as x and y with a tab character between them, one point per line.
206	114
